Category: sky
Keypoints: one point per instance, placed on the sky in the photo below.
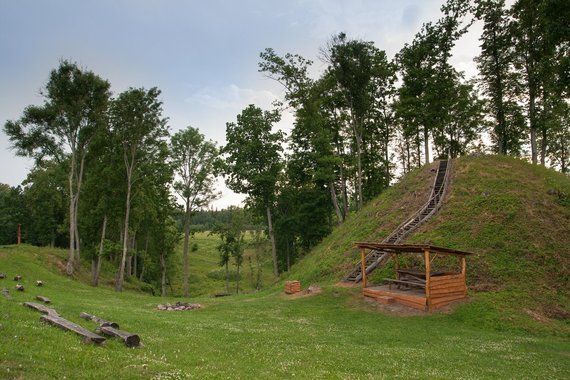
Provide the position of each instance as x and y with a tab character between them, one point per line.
203	55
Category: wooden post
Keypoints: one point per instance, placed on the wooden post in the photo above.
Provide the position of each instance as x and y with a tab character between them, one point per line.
19	233
363	266
428	274
396	265
464	272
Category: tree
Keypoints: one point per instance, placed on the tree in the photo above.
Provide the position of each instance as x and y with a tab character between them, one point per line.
426	93
139	131
74	109
253	162
12	212
312	138
352	66
499	82
45	199
194	159
232	243
463	123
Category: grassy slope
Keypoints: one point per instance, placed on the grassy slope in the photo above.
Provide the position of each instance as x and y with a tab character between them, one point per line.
206	276
266	335
508	212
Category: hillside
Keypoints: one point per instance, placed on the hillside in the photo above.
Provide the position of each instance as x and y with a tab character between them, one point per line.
514	216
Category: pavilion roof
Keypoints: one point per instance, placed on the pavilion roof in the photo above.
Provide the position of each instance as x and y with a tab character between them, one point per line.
410	248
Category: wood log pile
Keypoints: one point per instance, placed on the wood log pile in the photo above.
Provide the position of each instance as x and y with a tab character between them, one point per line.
112	329
104	327
6	293
292	287
99	321
60	322
179	306
43	299
41	308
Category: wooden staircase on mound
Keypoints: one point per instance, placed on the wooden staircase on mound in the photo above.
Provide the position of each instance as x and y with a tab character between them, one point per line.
375	258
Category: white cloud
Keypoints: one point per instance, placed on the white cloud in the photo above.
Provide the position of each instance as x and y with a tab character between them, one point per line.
231	97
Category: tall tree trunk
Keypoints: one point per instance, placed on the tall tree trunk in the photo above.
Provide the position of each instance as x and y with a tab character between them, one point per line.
360	200
544	128
335	203
162	275
79	182
71	256
273	247
426	145
387	158
237	278
344	192
186	241
288	257
121	274
227	278
100	254
532	121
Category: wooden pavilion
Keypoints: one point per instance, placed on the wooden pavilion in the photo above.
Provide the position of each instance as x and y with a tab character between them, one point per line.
426	289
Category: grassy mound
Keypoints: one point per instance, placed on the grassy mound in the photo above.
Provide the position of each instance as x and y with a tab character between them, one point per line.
513	215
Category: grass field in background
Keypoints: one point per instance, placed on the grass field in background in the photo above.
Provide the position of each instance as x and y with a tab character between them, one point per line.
332	335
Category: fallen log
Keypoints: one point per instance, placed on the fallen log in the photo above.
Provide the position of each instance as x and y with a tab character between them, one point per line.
43	299
60	322
41	308
6	293
100	321
131	340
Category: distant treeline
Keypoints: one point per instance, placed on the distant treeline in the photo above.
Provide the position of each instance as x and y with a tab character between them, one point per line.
207	220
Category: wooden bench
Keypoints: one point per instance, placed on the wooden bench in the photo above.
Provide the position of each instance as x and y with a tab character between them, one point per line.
407	283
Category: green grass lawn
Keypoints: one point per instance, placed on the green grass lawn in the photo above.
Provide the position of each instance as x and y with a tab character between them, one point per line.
331	335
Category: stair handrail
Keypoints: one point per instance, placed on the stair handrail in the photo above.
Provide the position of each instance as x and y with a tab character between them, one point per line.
440	194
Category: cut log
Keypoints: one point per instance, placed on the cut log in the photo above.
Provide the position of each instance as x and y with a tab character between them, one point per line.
43	299
131	340
6	293
41	308
17	277
99	321
60	322
20	287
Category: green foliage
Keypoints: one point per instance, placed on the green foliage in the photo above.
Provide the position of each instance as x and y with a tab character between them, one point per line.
12	213
253	155
499	82
75	108
194	160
